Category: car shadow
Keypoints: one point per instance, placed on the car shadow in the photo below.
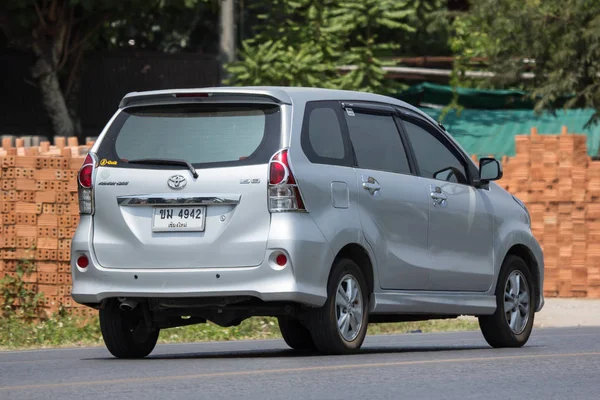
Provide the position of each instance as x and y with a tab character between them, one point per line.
289	353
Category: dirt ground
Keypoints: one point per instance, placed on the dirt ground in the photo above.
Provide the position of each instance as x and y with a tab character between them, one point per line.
567	313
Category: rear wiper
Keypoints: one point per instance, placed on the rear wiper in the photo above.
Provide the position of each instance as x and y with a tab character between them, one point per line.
161	161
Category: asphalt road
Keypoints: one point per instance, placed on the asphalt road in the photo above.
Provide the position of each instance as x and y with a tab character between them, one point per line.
556	364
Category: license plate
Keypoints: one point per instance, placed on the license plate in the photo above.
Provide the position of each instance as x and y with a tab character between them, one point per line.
177	219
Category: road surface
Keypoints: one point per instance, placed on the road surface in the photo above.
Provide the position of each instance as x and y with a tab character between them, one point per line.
559	363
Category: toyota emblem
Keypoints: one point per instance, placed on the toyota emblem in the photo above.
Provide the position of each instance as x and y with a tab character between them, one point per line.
177	182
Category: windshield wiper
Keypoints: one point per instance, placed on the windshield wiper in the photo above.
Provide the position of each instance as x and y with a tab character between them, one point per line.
161	161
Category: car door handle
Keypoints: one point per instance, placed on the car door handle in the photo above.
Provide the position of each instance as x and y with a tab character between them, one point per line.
439	198
371	185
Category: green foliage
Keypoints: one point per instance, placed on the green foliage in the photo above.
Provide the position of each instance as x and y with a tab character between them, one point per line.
63	330
17	298
56	331
556	40
305	41
361	20
296	45
432	29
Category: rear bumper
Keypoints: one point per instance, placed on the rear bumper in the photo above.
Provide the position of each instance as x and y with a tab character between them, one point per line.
303	280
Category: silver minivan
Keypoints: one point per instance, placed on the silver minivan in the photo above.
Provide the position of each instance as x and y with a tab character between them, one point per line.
327	209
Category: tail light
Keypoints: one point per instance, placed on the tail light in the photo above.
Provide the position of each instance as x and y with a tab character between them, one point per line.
85	185
284	194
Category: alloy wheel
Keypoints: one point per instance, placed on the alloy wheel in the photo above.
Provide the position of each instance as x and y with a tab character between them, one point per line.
516	302
349	308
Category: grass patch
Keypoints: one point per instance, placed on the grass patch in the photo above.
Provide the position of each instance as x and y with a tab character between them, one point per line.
66	331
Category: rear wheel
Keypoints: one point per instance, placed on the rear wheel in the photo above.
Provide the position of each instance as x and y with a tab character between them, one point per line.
125	334
295	334
512	323
340	326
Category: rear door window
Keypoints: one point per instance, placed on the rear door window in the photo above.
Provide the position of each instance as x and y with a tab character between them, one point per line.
204	135
377	143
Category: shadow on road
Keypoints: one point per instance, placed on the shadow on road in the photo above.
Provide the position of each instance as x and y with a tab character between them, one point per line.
288	353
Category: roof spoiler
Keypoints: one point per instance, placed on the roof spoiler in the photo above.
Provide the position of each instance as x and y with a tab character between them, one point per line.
202	96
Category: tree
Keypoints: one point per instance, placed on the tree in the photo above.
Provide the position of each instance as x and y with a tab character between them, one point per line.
556	42
432	29
295	43
305	41
361	20
58	33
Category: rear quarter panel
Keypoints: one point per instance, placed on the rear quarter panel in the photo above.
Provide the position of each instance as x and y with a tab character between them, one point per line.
340	224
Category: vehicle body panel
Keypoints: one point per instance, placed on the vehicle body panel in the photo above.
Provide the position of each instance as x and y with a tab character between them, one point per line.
395	223
460	233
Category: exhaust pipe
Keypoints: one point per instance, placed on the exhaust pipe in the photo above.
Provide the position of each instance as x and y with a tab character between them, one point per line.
127	304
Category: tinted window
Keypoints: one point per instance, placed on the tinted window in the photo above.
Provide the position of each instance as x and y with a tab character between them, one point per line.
323	140
325	134
198	137
435	160
377	143
204	135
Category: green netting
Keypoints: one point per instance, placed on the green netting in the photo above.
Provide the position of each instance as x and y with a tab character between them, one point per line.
484	132
429	93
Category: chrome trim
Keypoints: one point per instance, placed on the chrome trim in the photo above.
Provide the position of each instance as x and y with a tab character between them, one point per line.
177	182
437	195
80	188
178	199
371	185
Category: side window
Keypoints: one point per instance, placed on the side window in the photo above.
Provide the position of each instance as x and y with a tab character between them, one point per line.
377	143
434	158
322	138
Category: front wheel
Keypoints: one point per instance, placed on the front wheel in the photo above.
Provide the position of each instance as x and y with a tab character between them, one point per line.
340	326
125	334
512	323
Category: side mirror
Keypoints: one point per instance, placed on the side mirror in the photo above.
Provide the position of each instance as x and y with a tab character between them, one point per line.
489	170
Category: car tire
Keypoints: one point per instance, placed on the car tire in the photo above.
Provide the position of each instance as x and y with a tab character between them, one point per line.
512	323
125	334
351	313
295	334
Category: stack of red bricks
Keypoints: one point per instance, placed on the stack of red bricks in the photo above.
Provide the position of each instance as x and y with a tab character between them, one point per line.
560	184
552	174
39	215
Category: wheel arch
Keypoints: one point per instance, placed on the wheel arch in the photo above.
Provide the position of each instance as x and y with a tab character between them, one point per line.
360	255
526	254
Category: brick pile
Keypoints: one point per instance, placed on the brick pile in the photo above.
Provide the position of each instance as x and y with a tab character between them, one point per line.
560	184
39	215
552	174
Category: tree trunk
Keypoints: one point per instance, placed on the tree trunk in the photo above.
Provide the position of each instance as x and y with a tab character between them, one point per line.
52	98
49	51
72	90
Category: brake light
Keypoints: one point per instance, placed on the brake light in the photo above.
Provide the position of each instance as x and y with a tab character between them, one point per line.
192	95
277	173
85	176
86	192
284	194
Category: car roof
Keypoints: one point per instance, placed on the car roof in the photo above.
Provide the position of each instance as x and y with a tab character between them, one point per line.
283	94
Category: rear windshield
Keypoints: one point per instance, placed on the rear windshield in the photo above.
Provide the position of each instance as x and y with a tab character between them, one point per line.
204	135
